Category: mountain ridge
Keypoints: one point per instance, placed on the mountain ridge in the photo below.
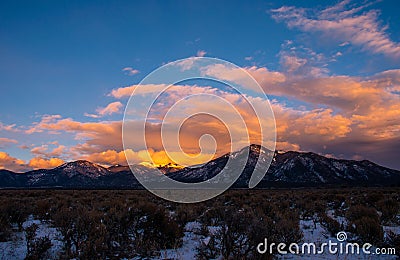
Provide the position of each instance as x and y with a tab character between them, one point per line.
287	169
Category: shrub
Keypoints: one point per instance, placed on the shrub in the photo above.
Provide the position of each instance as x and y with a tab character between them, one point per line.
17	215
43	208
35	247
393	240
368	229
332	225
154	230
5	224
365	222
389	208
240	231
287	227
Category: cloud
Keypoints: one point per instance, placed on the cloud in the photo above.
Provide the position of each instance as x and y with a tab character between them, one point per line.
109	157
341	23
286	146
101	142
201	53
44	152
43	157
44	120
130	71
4	142
112	108
40	150
344	93
10	163
359	95
187	64
41	163
122	92
321	123
296	128
381	122
147	89
293	63
127	91
112	157
150	157
239	75
302	62
340	114
344	107
10	128
96	136
337	107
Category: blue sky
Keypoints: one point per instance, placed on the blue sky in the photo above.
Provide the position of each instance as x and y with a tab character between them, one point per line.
65	57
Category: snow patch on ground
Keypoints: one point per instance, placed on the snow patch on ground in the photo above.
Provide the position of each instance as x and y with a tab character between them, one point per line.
190	242
314	232
340	219
16	248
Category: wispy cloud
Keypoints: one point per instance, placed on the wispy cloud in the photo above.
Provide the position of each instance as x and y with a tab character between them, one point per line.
303	62
112	108
124	92
201	53
130	71
343	23
4	142
342	108
10	128
43	151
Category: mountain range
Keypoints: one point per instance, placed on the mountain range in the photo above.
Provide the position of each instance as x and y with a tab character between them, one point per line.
287	169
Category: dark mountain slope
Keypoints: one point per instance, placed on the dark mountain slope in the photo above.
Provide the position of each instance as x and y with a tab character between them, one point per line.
289	169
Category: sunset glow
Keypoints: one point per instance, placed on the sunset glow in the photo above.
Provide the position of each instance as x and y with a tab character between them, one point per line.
330	70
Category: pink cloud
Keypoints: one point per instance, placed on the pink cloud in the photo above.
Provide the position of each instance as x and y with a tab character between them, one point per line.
112	108
10	128
43	151
10	163
130	71
240	76
201	53
6	141
127	91
342	24
341	109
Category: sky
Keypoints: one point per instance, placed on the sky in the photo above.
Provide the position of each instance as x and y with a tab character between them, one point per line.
67	68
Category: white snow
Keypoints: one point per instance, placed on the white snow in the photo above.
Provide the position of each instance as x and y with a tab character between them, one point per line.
340	219
190	243
315	233
393	229
16	248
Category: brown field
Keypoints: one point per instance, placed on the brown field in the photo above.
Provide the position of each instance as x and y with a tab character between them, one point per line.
99	224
